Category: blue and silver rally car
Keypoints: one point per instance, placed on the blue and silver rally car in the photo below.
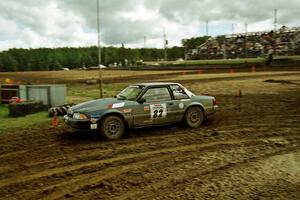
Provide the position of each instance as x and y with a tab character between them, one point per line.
141	105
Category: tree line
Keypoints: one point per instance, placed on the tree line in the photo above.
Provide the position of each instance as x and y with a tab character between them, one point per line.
44	59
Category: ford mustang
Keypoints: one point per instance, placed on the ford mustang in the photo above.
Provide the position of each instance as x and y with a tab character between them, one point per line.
141	105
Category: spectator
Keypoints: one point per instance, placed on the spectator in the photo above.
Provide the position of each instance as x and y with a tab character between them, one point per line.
284	42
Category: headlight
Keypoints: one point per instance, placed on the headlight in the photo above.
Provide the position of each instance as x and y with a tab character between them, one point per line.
70	112
79	116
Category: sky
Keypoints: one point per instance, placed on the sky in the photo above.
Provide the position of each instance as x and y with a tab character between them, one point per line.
73	23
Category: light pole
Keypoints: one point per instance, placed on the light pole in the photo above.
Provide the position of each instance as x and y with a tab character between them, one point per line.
245	39
165	43
275	30
232	29
206	26
275	20
99	52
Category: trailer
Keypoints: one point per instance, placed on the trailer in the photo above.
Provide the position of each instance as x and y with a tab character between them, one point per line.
51	95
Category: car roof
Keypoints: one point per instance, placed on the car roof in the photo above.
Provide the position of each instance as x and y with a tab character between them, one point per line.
155	84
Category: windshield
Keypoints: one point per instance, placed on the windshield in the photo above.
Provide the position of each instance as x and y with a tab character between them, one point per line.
130	93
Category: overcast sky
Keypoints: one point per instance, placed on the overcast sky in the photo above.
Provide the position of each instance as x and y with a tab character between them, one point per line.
59	23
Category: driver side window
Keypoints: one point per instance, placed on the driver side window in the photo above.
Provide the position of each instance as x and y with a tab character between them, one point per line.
157	94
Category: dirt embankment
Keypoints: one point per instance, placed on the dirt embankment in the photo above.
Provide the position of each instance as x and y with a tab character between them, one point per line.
251	150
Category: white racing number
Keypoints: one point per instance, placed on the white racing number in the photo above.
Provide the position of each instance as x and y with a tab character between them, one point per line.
158	111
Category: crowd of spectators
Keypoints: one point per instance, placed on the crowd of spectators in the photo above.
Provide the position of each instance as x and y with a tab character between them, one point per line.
249	45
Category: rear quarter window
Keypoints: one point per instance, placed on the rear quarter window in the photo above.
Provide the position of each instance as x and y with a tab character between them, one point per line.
178	92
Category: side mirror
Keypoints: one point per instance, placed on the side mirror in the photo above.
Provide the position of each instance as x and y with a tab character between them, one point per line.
142	100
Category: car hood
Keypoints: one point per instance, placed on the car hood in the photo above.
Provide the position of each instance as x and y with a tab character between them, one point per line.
204	97
98	104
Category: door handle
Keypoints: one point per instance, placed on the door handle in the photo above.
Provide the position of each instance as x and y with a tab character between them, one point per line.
170	104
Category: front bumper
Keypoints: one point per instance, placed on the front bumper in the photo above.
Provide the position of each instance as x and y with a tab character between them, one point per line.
211	111
78	124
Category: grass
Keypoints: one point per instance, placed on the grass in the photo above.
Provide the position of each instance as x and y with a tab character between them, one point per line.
8	123
209	62
75	92
292	58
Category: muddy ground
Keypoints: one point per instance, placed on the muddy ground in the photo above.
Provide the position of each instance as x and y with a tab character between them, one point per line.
250	150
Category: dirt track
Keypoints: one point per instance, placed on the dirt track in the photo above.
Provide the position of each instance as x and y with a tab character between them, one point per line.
251	150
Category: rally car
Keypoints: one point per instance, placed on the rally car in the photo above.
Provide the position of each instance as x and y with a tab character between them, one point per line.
141	105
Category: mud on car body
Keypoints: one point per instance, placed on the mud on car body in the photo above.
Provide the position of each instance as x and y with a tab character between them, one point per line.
141	105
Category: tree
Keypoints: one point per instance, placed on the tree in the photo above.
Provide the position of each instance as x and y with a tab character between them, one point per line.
1	64
57	58
9	63
176	52
194	42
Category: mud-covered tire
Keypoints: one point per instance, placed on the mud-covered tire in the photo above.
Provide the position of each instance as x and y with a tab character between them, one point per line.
112	127
193	117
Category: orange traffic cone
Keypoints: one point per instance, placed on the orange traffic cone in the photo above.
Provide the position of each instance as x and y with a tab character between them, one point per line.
296	67
253	68
264	68
239	93
55	121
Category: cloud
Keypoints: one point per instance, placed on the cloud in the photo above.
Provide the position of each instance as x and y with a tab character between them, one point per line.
54	23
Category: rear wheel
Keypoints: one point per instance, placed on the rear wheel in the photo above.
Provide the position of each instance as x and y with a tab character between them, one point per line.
193	117
112	127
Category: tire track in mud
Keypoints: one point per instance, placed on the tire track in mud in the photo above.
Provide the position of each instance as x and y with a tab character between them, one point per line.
190	185
60	190
48	163
159	181
93	175
13	142
47	153
123	163
92	151
168	133
39	160
245	180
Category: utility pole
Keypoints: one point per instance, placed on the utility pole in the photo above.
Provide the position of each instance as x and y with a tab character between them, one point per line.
206	27
275	20
245	39
224	49
165	43
232	29
275	29
145	41
99	52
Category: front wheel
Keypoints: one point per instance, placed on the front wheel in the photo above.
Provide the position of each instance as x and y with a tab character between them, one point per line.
112	127
193	117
